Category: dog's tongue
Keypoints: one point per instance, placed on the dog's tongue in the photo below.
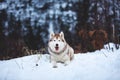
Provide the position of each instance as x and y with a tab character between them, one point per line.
56	48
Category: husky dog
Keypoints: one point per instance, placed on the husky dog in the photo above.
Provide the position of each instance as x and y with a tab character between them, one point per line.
59	50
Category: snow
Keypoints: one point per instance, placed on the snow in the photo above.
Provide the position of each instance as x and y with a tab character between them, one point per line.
111	11
57	6
100	10
64	5
50	27
89	66
3	6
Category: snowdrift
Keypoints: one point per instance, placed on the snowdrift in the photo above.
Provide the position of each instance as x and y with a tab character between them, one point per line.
98	65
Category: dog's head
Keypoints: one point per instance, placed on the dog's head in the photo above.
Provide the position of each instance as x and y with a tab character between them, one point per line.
57	42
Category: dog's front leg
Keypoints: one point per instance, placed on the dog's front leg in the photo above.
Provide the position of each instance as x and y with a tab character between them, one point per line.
54	63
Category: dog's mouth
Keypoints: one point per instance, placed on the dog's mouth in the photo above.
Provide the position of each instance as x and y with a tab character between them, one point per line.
56	48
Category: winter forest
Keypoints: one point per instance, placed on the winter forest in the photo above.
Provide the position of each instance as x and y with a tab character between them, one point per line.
87	24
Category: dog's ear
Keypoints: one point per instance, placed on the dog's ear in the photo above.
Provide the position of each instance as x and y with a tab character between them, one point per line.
62	35
52	35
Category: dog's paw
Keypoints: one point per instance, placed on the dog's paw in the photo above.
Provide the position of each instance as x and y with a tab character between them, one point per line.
54	64
66	63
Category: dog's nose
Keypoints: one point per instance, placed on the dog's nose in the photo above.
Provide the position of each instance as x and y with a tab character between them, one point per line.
56	44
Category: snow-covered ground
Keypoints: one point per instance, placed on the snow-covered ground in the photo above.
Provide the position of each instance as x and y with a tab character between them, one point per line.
89	66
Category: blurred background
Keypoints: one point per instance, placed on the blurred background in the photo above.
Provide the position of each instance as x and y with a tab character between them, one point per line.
87	24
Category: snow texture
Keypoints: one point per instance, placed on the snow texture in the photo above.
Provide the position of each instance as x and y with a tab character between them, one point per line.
89	66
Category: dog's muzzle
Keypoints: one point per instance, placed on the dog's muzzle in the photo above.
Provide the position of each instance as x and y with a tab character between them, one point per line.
56	47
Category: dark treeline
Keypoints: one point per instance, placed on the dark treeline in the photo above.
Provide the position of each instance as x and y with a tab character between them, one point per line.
87	24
